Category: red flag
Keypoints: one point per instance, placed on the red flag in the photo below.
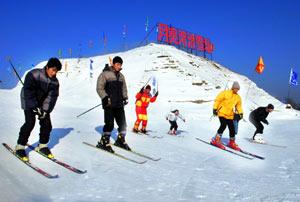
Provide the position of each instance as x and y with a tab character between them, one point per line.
260	66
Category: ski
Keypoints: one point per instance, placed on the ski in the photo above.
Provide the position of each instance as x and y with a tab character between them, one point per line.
116	154
273	145
248	153
227	150
148	134
140	154
71	168
37	169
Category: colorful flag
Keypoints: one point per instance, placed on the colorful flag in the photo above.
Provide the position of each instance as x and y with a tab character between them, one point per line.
293	78
147	24
70	52
260	66
104	39
90	44
59	53
124	31
91	68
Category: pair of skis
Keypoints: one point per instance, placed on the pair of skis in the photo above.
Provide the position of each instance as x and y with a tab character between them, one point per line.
41	171
148	134
241	153
125	157
265	143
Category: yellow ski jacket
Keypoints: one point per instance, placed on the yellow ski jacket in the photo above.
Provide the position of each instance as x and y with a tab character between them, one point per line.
228	102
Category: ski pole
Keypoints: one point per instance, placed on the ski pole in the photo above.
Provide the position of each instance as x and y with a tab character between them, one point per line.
147	82
88	110
9	60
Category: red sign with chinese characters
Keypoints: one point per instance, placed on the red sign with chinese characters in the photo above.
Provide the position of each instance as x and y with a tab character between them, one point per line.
174	36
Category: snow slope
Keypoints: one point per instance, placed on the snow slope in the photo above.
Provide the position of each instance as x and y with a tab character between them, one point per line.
188	171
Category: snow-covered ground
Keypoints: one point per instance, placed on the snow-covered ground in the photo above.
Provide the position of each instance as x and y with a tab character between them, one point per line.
188	171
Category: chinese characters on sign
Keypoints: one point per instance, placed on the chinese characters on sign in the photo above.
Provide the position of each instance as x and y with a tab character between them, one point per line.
174	36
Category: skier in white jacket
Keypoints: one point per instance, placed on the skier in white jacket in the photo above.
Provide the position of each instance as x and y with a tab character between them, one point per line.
172	118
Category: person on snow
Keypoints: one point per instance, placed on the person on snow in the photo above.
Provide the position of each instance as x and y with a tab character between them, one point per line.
172	118
112	89
226	104
38	98
143	98
236	120
256	117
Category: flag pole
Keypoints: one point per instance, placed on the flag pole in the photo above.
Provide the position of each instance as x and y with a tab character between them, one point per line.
288	97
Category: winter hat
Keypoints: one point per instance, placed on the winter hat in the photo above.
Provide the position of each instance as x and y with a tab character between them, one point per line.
235	85
270	106
117	59
54	62
148	87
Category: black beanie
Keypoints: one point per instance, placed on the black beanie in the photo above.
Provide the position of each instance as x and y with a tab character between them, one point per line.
117	59
148	87
54	62
270	106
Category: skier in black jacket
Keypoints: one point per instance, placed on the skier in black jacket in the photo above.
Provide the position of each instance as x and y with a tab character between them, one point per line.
38	98
256	117
112	89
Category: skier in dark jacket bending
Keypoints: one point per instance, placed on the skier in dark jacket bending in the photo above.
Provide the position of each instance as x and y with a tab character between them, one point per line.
38	97
256	117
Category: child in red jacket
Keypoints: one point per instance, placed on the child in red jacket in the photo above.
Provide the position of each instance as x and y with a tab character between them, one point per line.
143	98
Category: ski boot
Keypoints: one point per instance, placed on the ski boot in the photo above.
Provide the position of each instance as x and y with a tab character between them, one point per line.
172	132
44	150
120	142
216	141
233	145
20	152
135	130
143	130
259	139
104	144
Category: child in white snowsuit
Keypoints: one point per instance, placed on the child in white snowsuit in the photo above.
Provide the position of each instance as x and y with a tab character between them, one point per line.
172	118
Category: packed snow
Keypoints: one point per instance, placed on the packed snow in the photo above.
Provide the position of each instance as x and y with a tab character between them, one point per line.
189	170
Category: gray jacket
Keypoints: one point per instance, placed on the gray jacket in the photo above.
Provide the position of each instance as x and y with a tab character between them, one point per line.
112	85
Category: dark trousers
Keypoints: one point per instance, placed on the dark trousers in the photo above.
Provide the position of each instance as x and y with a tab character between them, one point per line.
111	114
173	125
258	125
25	130
226	122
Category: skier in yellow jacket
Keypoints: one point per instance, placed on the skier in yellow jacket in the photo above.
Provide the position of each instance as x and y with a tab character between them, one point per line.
226	103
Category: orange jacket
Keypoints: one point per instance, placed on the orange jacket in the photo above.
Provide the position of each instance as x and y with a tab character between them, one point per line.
143	99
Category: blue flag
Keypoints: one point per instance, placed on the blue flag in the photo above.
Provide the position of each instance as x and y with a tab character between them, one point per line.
91	68
293	78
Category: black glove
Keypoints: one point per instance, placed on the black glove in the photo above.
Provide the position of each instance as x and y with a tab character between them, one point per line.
241	115
156	94
142	90
215	112
125	101
106	101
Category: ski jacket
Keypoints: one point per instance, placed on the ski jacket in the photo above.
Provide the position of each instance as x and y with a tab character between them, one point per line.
228	102
259	114
172	116
112	84
143	99
39	90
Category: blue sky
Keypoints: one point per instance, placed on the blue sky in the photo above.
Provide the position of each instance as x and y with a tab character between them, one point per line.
33	31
